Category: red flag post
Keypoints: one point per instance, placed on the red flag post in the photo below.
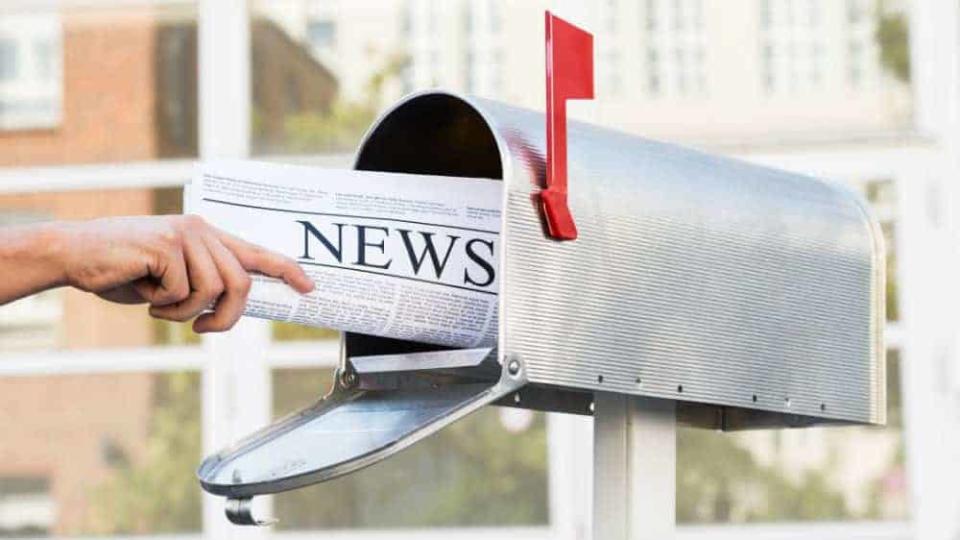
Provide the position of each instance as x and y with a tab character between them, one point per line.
569	76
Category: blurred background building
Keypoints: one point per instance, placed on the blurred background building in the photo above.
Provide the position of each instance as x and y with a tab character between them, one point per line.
105	105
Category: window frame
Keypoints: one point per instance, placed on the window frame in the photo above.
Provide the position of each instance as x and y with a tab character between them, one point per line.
569	437
225	132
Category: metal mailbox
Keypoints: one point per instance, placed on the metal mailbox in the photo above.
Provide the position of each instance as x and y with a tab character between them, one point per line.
752	297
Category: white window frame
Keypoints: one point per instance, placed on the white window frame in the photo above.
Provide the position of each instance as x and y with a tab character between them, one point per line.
674	49
237	395
28	88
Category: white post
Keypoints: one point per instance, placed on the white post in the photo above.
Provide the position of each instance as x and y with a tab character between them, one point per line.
224	78
569	443
928	236
236	378
634	463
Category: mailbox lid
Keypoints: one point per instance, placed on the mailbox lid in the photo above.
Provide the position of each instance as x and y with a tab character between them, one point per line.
341	433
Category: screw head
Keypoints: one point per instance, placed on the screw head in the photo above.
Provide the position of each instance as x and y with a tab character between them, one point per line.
348	379
513	366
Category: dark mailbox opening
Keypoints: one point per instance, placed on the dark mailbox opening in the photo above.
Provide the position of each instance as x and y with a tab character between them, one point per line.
435	134
432	134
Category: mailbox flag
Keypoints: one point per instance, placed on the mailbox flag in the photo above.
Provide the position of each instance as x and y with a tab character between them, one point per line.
569	76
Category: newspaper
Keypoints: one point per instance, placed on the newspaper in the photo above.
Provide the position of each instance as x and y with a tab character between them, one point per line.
404	256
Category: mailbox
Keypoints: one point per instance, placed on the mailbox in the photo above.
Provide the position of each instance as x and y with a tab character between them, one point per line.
752	297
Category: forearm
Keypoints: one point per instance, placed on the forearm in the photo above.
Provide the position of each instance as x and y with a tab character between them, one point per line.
30	260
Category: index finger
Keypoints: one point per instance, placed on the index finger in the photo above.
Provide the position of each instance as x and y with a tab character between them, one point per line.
258	259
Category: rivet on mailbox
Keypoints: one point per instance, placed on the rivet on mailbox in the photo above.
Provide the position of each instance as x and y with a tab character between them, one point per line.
751	297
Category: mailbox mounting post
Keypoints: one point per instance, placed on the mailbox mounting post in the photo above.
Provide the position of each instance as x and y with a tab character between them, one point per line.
634	468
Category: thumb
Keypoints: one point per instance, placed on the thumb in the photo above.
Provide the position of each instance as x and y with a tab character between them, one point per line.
124	294
152	291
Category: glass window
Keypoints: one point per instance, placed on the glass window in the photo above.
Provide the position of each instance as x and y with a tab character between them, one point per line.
882	196
100	454
8	59
45	57
71	319
810	474
97	84
676	33
799	63
482	52
489	469
26	507
30	83
321	34
297	332
771	70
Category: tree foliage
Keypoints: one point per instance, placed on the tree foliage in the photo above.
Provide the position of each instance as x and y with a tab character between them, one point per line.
341	128
719	481
471	473
157	492
893	37
337	130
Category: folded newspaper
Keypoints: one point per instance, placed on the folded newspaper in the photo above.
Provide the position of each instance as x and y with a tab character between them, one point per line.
404	256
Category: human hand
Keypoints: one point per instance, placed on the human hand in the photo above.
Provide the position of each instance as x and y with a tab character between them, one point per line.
180	265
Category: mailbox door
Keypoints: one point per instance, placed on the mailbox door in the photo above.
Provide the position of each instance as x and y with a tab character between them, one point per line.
355	426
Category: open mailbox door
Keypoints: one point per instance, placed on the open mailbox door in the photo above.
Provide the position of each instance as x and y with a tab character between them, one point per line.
380	404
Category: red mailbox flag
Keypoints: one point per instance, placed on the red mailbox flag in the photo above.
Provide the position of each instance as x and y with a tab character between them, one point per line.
569	76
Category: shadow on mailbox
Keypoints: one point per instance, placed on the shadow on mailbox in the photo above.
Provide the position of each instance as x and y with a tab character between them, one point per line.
751	297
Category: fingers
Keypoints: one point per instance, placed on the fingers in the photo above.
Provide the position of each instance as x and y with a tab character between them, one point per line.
257	259
236	283
168	282
124	294
207	267
206	283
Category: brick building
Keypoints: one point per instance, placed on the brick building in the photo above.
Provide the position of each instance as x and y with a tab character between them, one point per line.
94	87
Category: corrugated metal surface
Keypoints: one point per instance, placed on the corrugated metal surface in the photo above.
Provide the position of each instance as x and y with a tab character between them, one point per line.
694	278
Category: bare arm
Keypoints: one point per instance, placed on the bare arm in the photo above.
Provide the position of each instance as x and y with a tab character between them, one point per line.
180	265
29	260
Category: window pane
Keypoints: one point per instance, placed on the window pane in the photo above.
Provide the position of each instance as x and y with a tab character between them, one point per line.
283	331
88	85
69	318
882	196
812	474
99	454
743	73
489	469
